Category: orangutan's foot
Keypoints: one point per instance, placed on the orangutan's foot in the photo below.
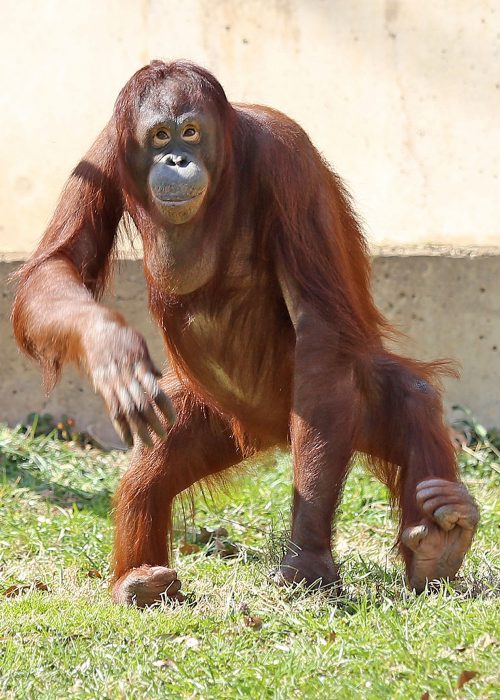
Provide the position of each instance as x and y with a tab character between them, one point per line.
315	570
147	585
440	541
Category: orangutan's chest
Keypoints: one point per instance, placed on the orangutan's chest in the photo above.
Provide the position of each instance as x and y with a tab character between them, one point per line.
177	269
241	350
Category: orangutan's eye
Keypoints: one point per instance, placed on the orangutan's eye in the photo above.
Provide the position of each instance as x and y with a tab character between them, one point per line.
191	134
161	138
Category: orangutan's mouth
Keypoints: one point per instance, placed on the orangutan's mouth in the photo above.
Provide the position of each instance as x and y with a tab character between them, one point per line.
168	201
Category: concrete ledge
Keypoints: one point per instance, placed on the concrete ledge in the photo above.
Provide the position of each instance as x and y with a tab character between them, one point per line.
449	306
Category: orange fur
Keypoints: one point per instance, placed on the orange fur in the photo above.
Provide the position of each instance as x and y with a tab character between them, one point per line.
253	368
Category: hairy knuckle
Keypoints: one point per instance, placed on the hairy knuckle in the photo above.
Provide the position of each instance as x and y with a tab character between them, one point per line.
151	384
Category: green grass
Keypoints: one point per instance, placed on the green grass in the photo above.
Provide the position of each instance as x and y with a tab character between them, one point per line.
380	641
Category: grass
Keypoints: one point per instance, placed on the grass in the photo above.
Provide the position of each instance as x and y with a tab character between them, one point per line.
238	635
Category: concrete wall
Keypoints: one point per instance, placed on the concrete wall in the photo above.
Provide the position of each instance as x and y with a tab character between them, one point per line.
449	306
403	98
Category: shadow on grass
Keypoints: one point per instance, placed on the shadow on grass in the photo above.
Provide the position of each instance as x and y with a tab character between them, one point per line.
99	502
59	473
380	589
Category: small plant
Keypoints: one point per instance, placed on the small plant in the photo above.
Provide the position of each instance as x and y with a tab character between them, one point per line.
38	424
480	448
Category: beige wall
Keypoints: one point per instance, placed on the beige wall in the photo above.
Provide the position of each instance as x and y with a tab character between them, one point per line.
403	97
